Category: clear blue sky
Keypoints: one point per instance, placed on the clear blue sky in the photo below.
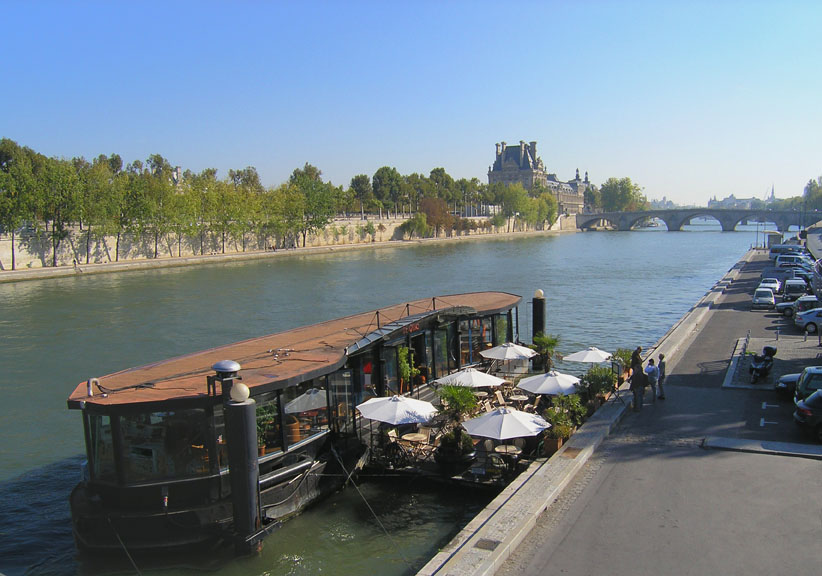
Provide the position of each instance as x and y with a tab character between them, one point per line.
689	99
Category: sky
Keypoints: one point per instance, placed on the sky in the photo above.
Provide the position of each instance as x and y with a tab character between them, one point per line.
691	100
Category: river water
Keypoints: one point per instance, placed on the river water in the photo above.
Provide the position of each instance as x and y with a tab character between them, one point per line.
614	289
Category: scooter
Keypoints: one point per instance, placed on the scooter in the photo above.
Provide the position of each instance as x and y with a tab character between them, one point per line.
762	363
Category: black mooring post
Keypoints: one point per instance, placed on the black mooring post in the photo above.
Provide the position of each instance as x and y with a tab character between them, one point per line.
538	314
243	466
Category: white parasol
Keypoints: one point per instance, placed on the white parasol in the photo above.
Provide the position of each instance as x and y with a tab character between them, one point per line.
396	410
508	351
505	423
551	383
313	399
470	377
592	355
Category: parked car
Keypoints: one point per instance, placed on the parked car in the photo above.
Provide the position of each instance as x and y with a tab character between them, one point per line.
808	414
772	283
792	258
809	382
763	298
786	384
803	303
793	289
809	320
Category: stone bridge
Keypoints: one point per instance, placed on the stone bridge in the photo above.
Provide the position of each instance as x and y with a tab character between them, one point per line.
675	219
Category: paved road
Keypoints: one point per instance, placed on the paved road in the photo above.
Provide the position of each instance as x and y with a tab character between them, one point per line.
654	501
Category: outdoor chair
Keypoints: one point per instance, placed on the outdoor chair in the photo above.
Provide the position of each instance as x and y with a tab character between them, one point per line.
500	399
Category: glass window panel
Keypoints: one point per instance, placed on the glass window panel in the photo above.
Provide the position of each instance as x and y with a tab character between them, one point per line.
102	448
339	384
171	444
306	410
269	425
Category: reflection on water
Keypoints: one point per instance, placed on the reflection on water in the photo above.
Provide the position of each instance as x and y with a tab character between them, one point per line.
609	290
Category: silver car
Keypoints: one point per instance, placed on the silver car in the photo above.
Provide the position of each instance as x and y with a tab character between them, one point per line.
809	321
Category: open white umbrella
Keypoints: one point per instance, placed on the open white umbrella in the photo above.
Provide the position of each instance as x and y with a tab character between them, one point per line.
396	410
508	351
313	399
505	423
551	383
592	355
470	377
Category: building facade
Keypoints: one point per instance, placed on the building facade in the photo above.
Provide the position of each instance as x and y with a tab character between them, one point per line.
520	164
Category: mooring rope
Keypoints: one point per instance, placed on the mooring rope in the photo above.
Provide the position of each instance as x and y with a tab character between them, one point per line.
120	540
373	513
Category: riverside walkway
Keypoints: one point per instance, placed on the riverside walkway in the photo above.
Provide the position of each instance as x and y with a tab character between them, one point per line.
693	484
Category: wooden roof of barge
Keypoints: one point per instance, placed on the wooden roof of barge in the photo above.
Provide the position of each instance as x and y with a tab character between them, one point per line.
277	360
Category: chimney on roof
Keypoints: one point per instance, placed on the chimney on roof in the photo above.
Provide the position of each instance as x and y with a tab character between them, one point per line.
534	151
497	149
522	156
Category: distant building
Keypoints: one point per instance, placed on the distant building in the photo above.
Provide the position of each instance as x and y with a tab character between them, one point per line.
740	203
521	164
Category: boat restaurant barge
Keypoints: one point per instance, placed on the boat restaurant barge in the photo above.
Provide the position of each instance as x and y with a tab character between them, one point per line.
217	446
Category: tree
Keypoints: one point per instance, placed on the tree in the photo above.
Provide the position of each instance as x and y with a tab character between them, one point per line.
317	199
593	198
386	183
204	196
436	214
59	199
362	191
16	189
621	195
444	186
514	201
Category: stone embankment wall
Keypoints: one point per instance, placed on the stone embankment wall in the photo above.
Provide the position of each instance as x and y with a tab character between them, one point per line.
33	251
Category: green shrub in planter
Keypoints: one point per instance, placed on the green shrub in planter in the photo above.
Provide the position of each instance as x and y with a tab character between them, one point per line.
598	380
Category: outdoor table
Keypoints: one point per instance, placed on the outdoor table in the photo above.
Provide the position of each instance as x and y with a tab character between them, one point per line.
509	453
507	450
518	398
414	437
480	393
415	441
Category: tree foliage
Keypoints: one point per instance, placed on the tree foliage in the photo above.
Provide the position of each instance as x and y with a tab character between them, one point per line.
622	195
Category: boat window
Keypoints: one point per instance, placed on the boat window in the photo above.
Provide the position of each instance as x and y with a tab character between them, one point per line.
169	444
102	448
501	329
476	335
339	383
269	426
440	353
306	410
389	366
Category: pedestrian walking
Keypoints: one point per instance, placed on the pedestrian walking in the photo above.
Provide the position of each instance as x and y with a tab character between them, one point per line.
637	379
661	368
652	372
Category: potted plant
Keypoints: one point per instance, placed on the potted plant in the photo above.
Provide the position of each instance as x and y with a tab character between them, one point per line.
598	382
545	347
262	431
560	430
405	367
456	448
455	451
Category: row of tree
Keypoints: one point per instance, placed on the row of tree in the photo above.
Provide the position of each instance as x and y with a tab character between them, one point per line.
151	199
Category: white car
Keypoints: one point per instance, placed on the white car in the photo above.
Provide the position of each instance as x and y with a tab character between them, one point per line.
763	298
773	283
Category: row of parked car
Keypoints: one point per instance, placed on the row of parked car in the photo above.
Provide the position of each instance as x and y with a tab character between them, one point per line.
792	279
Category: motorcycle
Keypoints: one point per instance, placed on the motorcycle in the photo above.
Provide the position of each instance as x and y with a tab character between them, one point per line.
761	364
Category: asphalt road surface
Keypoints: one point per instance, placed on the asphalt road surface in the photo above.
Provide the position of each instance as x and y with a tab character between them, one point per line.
653	500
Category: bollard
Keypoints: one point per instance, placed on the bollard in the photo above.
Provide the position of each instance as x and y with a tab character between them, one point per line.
538	313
